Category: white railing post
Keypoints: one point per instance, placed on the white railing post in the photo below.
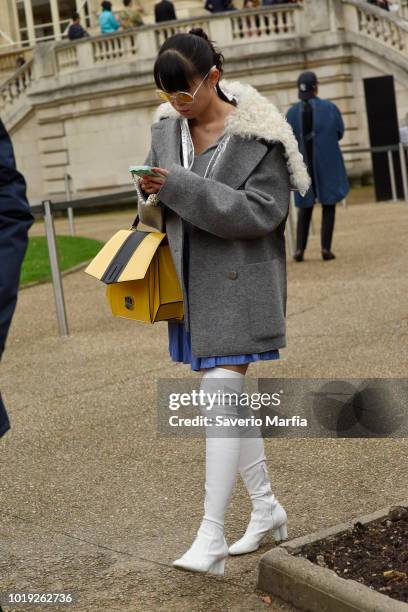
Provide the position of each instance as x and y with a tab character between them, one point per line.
68	197
403	162
392	175
291	225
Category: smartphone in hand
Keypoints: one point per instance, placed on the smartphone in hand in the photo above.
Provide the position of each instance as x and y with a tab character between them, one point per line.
143	171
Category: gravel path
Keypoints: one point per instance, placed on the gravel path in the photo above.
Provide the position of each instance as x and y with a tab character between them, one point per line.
93	502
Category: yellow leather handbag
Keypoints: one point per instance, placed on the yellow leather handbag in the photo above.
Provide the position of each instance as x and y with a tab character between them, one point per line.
141	279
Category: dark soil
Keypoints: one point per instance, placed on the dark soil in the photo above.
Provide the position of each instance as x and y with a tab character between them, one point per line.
375	554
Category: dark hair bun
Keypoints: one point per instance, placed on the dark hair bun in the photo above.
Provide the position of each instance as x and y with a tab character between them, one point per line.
199	32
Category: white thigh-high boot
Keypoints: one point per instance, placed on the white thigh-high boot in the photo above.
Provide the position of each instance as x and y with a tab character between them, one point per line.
267	513
209	549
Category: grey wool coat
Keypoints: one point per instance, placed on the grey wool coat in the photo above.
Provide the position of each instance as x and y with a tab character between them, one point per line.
236	300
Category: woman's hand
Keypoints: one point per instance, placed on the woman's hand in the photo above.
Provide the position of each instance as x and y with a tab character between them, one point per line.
153	184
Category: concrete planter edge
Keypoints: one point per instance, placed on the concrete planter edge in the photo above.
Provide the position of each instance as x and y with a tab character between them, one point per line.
317	589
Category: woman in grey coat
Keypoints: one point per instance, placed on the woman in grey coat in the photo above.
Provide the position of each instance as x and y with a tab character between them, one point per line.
227	160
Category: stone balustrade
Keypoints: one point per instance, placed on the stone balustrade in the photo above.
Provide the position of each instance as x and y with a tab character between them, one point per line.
8	60
16	85
231	28
382	26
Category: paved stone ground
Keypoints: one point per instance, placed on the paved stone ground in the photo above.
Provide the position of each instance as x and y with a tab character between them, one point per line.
93	502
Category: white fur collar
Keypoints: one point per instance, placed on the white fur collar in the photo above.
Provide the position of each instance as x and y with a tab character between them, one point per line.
255	116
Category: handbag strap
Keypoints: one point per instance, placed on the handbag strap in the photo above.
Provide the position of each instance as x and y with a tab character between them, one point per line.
187	148
133	226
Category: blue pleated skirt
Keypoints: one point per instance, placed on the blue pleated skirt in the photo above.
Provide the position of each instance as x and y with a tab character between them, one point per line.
180	350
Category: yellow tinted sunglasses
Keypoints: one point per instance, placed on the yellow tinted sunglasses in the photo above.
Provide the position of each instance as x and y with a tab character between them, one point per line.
181	97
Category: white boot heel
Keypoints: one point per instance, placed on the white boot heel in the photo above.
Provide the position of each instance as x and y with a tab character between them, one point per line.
203	565
281	533
217	568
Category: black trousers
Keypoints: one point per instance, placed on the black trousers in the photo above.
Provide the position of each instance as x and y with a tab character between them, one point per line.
303	224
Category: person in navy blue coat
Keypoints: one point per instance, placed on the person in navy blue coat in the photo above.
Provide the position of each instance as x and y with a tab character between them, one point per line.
318	127
15	221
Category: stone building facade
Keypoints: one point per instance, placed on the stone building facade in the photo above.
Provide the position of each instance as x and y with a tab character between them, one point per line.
32	21
84	109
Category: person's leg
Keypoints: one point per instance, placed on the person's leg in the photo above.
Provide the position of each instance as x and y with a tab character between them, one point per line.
222	449
267	513
209	549
328	217
302	231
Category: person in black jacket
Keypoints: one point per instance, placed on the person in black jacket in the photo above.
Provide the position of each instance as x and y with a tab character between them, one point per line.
215	6
15	221
75	30
164	11
384	4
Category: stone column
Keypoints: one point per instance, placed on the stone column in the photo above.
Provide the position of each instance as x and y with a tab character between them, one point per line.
94	10
15	26
9	28
55	19
80	8
28	9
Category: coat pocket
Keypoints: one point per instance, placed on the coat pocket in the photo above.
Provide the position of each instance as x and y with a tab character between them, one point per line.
263	284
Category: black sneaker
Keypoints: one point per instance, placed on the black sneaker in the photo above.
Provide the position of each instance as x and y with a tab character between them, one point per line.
327	255
298	256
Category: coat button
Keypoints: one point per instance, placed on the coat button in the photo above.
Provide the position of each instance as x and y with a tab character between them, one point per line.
232	274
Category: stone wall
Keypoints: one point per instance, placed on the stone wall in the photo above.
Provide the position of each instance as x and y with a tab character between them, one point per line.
27	143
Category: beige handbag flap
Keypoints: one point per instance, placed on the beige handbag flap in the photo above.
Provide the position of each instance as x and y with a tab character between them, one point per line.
126	256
